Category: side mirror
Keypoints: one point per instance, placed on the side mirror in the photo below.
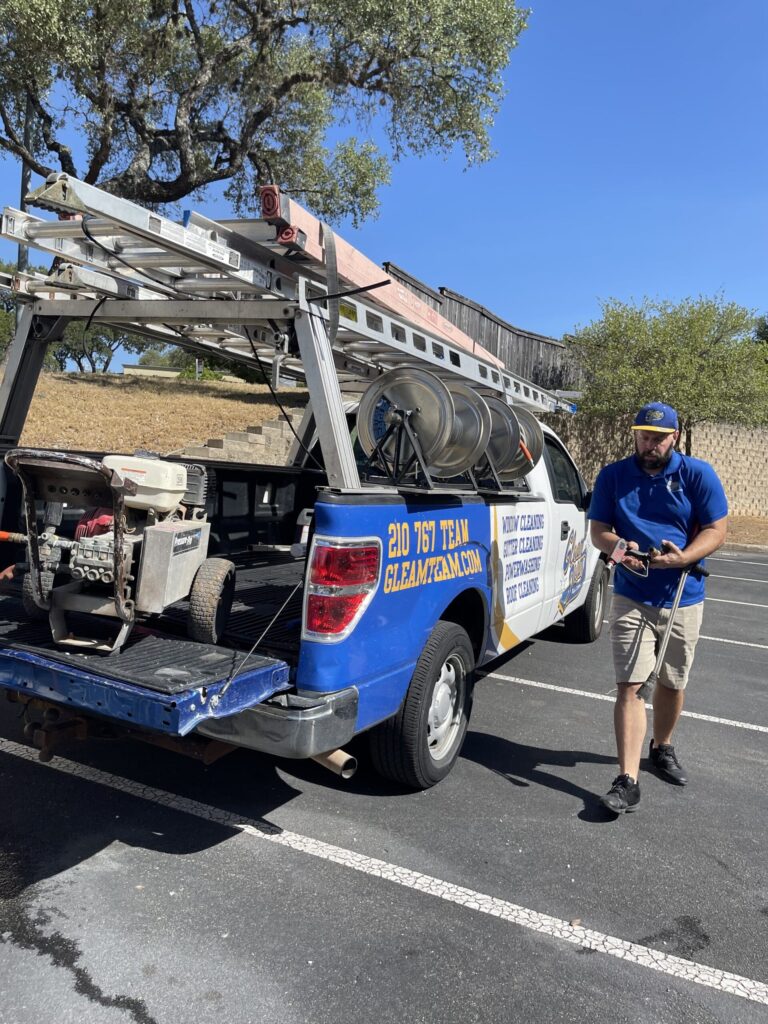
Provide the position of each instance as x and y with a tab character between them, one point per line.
586	501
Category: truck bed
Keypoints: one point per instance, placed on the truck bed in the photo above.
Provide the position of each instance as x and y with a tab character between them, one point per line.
264	581
157	678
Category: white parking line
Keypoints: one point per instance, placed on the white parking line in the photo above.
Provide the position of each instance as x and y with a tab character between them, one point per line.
739	561
737	643
725	600
609	696
470	899
741	579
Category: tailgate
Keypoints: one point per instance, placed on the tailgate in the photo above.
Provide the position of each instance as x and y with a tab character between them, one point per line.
158	682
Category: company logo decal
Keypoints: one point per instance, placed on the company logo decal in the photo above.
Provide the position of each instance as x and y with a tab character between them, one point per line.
186	541
574	569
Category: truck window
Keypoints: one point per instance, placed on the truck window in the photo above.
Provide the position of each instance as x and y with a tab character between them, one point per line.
563	474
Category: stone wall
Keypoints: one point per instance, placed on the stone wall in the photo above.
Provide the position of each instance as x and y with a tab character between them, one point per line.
737	453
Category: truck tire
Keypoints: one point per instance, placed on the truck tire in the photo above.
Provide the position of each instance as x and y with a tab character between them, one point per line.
585	625
210	600
31	610
420	744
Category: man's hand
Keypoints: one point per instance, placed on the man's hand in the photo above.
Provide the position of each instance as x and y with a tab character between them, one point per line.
670	557
634	564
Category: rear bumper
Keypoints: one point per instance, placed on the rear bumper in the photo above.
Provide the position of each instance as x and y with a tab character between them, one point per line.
289	725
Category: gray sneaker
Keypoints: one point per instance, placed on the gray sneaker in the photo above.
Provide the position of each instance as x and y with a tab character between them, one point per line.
624	795
664	760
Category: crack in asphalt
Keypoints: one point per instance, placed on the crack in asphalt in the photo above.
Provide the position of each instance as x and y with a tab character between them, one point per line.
22	927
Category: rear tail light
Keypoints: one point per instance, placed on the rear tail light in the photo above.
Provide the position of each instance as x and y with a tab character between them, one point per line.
343	577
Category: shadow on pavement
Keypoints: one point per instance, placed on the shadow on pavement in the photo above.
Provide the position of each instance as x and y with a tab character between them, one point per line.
522	766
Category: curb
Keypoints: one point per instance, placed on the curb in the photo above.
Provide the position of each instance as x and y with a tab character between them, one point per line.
755	549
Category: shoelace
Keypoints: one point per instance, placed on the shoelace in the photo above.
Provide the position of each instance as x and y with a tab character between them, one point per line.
620	783
668	754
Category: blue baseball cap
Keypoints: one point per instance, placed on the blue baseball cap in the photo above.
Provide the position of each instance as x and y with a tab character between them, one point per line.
656	416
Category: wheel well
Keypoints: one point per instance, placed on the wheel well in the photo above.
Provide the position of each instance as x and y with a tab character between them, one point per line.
469	611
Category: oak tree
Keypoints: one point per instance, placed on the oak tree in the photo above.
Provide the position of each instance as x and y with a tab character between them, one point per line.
156	99
698	355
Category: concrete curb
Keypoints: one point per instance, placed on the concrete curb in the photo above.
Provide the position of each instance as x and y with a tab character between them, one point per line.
755	549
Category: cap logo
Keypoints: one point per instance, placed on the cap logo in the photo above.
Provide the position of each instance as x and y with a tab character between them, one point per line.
654	415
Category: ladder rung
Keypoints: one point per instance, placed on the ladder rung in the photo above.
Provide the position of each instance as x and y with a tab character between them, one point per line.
208	281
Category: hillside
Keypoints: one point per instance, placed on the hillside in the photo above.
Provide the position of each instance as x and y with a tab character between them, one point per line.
115	413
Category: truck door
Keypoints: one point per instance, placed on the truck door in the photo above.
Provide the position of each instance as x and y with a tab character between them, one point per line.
567	554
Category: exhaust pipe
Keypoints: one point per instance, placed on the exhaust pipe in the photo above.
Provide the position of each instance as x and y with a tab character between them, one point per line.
339	762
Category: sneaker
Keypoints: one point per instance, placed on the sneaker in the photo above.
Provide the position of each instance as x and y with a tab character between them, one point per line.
664	760
624	795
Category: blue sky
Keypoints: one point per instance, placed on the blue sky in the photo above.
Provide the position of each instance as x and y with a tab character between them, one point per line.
632	158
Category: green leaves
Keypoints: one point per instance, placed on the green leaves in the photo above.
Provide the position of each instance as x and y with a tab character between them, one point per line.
168	96
698	355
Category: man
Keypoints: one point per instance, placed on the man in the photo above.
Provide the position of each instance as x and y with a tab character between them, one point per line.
675	504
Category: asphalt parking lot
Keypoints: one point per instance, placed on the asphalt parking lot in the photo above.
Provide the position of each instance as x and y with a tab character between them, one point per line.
137	886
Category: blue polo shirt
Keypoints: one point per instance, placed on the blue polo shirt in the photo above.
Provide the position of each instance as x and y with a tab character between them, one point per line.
671	505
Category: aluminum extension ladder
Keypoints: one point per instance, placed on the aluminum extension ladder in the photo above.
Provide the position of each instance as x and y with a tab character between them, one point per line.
228	289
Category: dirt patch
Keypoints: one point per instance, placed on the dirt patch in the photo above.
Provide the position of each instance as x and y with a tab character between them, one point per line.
95	412
748	530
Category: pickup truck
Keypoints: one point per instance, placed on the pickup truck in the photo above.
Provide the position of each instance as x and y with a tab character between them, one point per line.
375	626
355	589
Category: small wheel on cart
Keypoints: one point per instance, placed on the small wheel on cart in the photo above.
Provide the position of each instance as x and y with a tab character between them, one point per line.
31	610
210	600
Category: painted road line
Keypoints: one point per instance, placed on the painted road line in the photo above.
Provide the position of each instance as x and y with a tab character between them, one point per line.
741	579
470	899
724	600
737	643
739	561
609	696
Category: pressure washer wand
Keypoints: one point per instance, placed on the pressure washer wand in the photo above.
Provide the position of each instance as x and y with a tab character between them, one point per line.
646	689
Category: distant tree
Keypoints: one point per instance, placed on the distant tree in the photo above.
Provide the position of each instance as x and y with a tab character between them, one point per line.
761	329
159	355
698	355
194	366
169	96
93	350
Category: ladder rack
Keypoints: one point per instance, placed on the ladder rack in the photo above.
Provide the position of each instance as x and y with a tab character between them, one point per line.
242	289
114	249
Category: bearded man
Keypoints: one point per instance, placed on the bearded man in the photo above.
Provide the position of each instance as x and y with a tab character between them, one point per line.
660	501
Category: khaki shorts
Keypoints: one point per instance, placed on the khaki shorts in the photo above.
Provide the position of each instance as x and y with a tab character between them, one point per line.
636	631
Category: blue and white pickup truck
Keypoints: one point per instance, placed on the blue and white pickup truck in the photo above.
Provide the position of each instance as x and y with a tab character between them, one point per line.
354	590
397	600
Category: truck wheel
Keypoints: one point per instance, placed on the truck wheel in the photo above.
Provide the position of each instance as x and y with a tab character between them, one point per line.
419	745
31	610
585	625
210	600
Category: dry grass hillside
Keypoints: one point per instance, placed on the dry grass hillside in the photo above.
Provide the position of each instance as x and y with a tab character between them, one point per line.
115	413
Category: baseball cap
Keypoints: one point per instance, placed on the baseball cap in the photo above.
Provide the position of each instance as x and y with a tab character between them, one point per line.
656	416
